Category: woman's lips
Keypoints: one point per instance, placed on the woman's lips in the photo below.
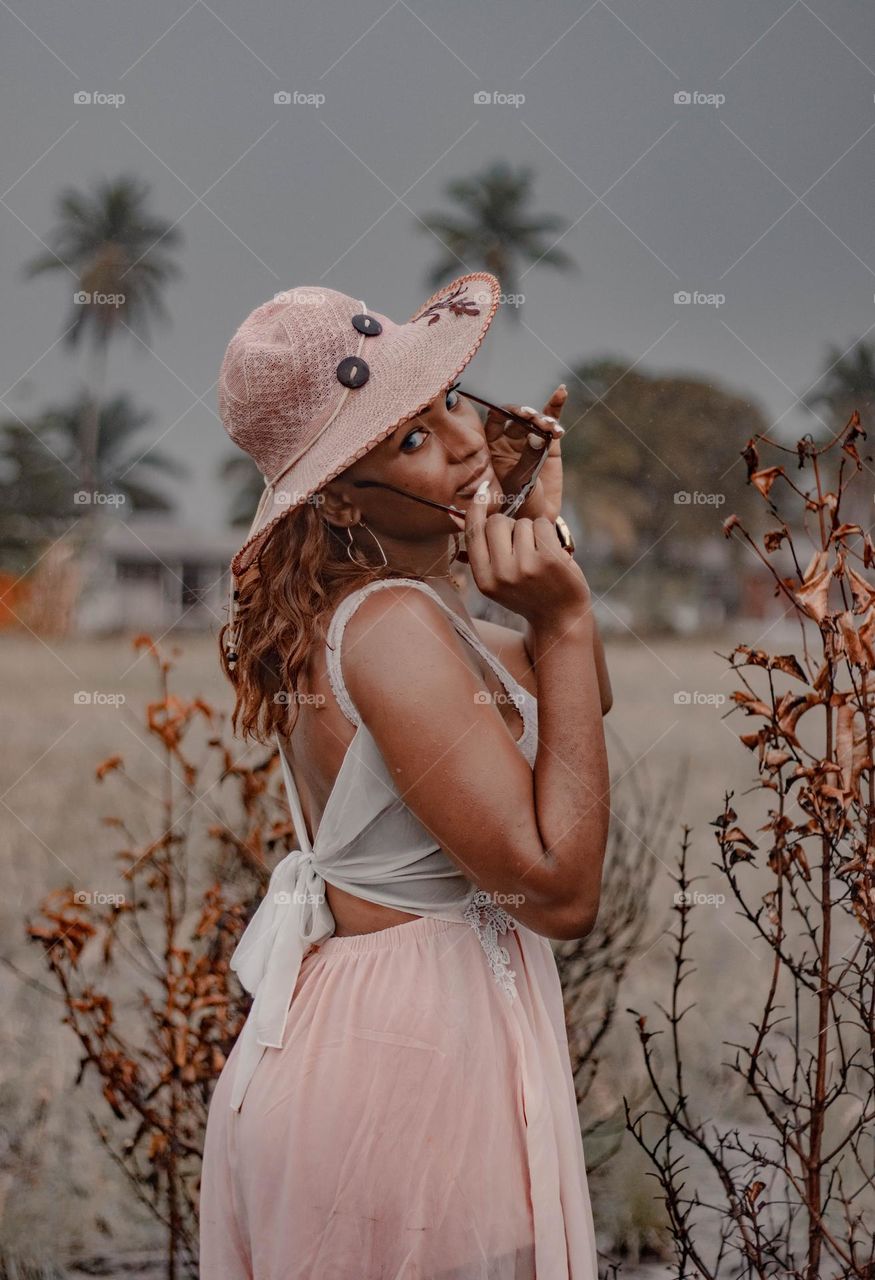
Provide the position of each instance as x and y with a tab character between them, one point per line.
460	515
468	490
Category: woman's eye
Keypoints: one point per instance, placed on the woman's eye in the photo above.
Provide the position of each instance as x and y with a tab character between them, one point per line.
451	404
417	431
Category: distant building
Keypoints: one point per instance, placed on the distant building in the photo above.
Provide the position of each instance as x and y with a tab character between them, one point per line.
152	574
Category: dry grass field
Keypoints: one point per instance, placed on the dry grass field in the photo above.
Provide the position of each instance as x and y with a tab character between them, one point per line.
60	1194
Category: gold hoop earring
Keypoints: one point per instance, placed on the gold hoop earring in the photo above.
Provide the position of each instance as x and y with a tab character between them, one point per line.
351	544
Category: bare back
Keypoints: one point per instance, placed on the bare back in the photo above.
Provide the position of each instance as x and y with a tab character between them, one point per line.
322	734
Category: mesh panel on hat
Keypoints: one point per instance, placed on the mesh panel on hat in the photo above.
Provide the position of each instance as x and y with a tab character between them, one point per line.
280	372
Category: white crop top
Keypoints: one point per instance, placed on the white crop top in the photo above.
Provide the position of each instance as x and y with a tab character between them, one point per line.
368	843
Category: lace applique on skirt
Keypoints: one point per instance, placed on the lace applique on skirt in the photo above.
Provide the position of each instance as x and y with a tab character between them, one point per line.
487	920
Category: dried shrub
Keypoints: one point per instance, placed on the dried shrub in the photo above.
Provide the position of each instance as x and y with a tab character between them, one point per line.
145	975
790	1192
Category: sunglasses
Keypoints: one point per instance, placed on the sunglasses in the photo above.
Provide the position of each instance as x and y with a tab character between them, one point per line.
526	481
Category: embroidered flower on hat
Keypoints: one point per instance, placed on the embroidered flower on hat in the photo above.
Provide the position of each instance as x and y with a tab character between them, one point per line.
455	302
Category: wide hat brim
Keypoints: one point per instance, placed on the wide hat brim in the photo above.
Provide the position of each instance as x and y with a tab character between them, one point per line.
410	364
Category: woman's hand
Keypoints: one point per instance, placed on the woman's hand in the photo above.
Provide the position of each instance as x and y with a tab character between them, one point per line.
521	564
513	457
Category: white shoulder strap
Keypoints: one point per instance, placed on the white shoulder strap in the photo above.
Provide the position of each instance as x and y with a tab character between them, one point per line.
334	640
347	608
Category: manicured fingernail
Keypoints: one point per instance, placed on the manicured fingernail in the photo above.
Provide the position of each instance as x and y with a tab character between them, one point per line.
537	442
481	488
525	408
560	430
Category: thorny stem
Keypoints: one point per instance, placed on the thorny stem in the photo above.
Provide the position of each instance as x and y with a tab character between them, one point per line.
836	808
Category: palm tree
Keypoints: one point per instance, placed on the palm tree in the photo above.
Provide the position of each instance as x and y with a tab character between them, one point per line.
847	383
493	229
40	465
121	256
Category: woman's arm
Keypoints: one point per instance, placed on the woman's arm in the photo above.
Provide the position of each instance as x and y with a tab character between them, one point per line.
535	838
605	692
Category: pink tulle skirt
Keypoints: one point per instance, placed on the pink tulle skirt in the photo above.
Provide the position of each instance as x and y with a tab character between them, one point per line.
416	1124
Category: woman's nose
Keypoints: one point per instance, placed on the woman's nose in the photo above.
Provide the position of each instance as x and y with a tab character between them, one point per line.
465	441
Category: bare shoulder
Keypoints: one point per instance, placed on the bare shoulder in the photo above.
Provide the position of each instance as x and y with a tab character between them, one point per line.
406	612
392	630
509	647
394	604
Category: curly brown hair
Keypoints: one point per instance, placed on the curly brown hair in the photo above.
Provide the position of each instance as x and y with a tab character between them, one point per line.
284	603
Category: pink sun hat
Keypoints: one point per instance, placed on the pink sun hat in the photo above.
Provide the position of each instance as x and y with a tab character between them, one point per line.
313	379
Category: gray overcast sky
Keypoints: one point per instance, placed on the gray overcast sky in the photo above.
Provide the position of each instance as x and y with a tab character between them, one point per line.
766	199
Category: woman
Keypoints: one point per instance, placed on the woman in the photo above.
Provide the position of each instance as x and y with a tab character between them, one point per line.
400	1102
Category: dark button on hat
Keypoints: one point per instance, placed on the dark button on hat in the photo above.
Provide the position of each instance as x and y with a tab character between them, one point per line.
369	325
353	371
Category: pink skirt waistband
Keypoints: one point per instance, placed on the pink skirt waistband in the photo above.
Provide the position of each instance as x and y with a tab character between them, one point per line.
394	935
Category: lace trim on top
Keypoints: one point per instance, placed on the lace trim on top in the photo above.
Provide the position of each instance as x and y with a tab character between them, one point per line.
488	920
486	917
